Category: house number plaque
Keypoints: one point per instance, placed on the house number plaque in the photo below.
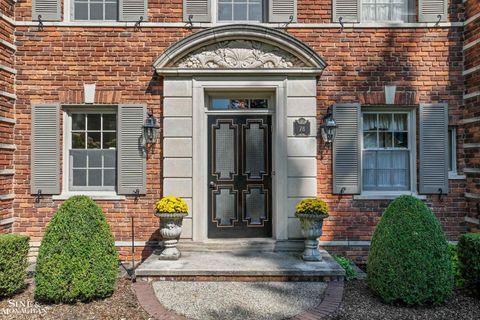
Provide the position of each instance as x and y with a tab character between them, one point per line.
301	127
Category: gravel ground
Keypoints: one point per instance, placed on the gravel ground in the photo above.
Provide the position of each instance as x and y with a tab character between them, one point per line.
238	300
359	303
121	305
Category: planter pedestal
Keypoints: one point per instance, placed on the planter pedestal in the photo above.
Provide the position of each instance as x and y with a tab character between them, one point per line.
311	230
170	230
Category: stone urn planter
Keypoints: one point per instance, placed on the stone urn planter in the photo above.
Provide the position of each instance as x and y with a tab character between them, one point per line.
171	211
311	213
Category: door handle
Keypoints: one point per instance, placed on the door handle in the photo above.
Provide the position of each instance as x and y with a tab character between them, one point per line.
212	185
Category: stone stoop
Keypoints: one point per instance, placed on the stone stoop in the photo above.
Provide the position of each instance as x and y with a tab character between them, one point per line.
235	262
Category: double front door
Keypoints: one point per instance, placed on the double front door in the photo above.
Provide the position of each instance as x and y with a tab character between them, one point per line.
239	176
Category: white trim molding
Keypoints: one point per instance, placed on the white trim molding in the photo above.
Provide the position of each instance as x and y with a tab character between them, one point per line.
472	220
470	120
471	195
8	95
8	19
8	146
471	70
8	45
7	221
471	95
471	170
471	19
9	196
7	172
8	69
471	44
204	25
8	120
471	145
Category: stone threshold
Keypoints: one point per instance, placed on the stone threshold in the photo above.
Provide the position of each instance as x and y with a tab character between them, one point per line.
246	265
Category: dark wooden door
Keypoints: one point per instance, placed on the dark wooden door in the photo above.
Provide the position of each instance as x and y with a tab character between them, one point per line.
239	176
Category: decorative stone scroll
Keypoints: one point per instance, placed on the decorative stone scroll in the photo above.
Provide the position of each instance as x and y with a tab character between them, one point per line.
240	54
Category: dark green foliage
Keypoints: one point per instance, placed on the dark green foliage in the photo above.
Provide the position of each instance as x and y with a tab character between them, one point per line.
347	265
469	257
77	258
409	261
13	263
459	282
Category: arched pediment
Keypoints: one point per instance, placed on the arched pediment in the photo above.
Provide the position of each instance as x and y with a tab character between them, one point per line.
239	48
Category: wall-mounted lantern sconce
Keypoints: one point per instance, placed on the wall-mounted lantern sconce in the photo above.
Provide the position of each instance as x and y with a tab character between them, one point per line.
328	127
150	129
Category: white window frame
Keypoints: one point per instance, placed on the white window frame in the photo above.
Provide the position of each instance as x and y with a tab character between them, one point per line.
215	20
411	112
453	174
67	142
69	14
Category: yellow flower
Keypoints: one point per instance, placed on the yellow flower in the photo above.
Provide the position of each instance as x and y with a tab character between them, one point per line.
311	206
171	204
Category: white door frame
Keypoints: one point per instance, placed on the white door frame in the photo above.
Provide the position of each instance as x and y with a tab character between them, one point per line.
200	147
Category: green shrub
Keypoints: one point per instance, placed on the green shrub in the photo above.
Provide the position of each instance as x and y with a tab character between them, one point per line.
469	257
13	263
459	282
347	265
409	261
77	259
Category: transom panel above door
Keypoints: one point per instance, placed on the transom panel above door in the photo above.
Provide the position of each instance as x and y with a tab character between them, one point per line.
239	176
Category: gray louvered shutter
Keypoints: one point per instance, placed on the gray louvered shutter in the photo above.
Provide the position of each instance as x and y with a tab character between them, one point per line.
346	149
45	149
349	10
48	9
433	148
198	9
132	10
282	10
131	152
429	10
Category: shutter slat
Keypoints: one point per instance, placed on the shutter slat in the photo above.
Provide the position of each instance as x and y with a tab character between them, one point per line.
428	10
347	9
346	149
131	152
433	148
45	149
132	10
282	10
48	9
199	9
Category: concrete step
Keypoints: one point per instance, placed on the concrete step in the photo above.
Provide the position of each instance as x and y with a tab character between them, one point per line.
239	265
252	244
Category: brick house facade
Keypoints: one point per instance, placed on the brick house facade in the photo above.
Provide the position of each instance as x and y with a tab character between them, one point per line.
430	63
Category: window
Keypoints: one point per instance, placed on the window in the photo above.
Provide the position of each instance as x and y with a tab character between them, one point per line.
386	151
92	154
238	104
452	147
385	10
95	10
240	10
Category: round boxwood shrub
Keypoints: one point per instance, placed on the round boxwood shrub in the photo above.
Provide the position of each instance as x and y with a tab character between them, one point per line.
409	261
77	259
13	263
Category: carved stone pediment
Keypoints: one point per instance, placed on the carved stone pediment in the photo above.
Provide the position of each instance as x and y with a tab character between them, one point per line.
239	54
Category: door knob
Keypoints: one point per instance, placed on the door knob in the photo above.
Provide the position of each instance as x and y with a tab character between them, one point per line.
212	185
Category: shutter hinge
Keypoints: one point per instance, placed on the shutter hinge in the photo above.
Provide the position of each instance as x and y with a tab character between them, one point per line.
38	196
40	23
137	195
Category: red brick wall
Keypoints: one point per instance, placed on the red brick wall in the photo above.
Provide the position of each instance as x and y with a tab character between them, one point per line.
308	11
472	110
54	64
7	110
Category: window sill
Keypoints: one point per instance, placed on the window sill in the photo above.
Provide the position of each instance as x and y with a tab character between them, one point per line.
456	176
94	195
386	195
